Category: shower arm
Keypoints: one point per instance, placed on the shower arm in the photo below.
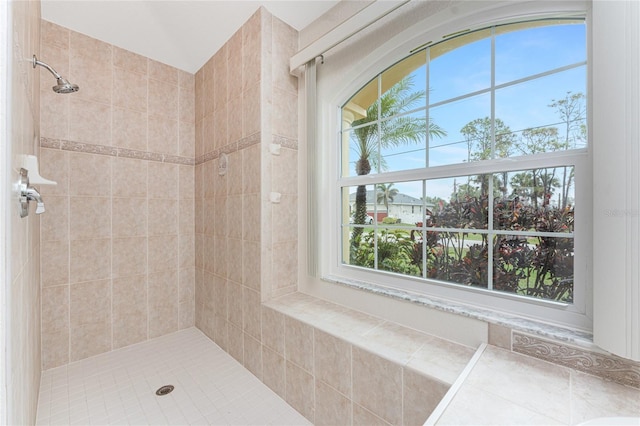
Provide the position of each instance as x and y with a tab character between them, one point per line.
42	64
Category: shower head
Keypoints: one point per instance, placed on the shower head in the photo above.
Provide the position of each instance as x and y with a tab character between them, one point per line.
63	85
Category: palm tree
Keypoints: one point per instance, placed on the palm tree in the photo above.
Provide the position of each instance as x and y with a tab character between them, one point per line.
386	195
399	131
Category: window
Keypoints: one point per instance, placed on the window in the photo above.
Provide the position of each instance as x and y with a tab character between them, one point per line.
486	132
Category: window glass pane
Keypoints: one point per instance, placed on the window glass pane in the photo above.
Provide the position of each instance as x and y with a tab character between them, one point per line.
356	110
540	267
403	142
460	131
460	202
460	66
399	252
362	155
535	200
403	85
546	114
458	257
522	52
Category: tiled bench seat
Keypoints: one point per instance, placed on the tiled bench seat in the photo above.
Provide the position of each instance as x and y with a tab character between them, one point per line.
350	367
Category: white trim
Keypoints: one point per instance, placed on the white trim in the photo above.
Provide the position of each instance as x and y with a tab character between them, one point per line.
616	228
5	175
343	31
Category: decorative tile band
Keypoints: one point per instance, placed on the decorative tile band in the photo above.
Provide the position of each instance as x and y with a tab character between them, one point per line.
285	142
88	148
609	367
230	148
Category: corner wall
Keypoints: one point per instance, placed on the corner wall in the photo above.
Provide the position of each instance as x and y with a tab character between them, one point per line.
23	234
246	217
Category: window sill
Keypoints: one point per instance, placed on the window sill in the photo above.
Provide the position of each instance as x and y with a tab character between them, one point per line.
526	325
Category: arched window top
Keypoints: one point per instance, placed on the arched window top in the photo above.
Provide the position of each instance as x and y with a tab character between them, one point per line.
520	77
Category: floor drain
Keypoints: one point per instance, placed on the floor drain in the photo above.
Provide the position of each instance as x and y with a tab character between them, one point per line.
164	390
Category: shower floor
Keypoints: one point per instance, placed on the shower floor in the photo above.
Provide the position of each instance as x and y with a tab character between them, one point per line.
119	388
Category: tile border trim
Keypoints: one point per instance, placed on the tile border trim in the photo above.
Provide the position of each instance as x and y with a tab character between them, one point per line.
606	366
66	145
230	148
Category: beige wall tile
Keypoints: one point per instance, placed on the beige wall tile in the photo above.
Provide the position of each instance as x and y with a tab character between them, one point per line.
235	303
234	216
220	293
129	61
129	310
129	217
285	264
163	72
251	111
90	319
273	330
372	373
55	224
89	174
364	417
54	165
53	34
90	217
332	408
163	253
220	131
54	260
285	219
285	171
285	113
235	118
90	260
90	122
186	104
187	315
187	136
234	174
163	135
220	262
251	51
129	129
163	303
187	251
251	313
130	90
163	99
55	326
90	67
220	77
163	216
273	374
186	80
235	342
253	355
441	359
234	259
332	362
500	336
163	180
285	45
221	332
54	113
251	212
251	265
129	257
298	343
299	392
129	177
420	396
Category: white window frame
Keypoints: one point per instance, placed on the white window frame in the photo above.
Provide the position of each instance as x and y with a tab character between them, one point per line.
576	315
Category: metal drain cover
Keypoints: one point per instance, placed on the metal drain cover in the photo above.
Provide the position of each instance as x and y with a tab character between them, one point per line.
164	390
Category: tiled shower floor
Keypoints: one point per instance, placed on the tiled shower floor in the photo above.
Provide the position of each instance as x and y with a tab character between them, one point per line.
119	388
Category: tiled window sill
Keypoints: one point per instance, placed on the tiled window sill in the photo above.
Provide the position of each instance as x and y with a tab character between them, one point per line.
515	323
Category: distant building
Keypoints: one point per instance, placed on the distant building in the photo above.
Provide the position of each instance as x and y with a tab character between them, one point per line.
404	207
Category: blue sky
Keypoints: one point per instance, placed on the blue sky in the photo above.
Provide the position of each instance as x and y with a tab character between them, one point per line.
465	70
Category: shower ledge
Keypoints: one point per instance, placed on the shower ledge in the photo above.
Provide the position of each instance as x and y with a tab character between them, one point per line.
503	387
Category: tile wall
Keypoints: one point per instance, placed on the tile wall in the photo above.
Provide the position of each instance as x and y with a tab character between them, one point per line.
23	290
118	260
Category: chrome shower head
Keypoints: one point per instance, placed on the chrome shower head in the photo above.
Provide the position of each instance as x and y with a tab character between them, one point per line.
63	85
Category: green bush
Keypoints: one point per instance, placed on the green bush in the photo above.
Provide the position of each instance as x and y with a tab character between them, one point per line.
390	220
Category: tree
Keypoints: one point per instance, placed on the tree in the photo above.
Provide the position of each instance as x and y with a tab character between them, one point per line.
480	135
572	111
534	141
392	133
386	195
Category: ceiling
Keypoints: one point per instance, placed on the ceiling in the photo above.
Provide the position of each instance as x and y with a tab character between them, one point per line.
180	33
